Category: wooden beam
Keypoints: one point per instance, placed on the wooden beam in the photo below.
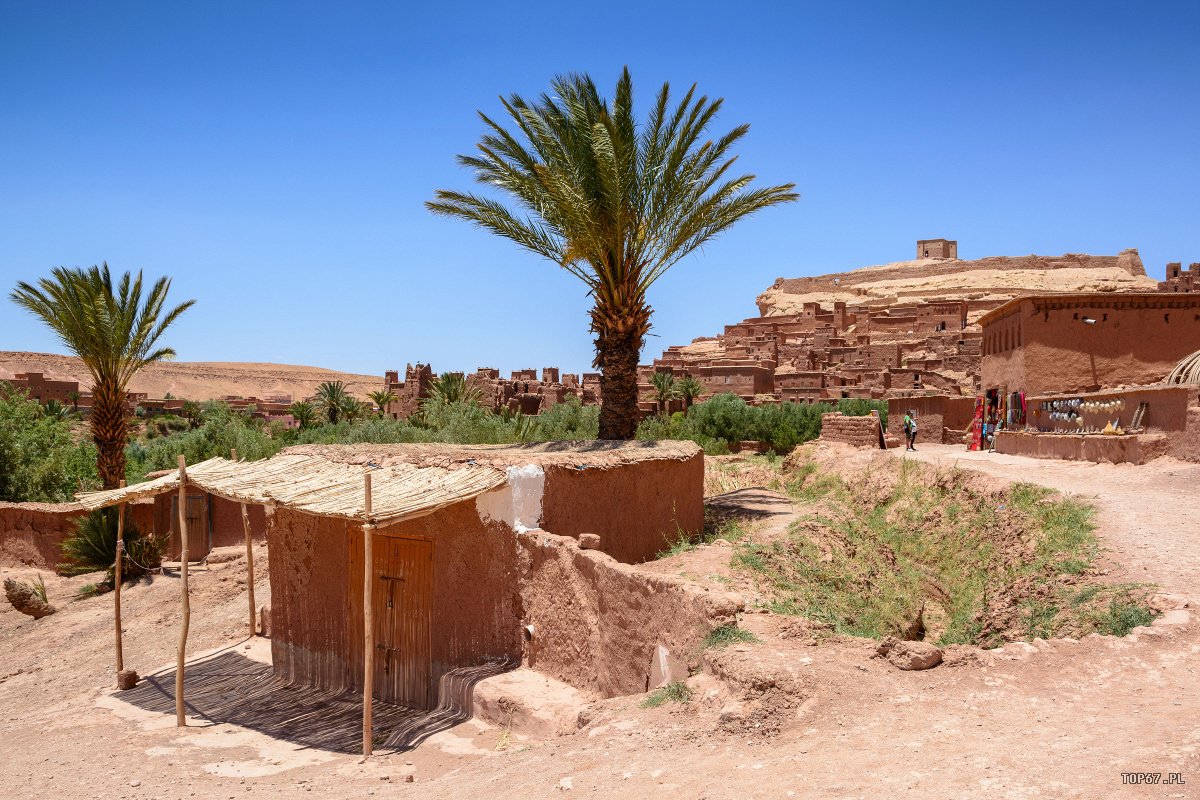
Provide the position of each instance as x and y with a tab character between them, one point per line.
249	558
368	627
180	716
117	585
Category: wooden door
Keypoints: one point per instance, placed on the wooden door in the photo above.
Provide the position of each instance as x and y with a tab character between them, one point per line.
199	534
401	615
402	611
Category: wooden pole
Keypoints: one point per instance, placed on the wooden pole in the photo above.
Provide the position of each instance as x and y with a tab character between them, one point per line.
368	627
249	558
180	716
117	584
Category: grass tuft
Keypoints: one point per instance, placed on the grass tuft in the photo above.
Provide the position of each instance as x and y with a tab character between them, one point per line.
673	692
726	635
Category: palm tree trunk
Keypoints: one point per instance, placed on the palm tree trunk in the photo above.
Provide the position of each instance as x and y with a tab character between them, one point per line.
617	357
110	428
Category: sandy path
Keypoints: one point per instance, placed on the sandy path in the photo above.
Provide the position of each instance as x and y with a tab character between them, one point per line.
1149	515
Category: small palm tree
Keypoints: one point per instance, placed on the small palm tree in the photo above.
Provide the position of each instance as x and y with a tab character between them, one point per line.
452	387
55	410
664	390
304	413
354	409
382	399
73	396
331	399
614	203
689	389
114	333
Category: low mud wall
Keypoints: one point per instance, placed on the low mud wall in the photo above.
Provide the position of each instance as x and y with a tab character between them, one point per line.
940	418
597	623
31	534
855	431
1129	449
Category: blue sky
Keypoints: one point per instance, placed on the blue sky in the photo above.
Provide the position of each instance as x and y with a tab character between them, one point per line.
274	157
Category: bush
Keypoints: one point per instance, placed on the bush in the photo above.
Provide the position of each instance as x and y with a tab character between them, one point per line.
40	459
673	692
93	547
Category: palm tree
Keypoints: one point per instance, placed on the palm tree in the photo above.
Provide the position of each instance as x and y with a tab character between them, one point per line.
664	390
331	399
304	413
613	203
113	333
689	389
73	396
452	387
354	409
383	398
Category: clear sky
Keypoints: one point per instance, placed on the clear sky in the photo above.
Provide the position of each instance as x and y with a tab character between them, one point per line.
274	157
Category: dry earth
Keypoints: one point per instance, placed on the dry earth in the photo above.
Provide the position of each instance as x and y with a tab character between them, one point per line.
1058	719
198	380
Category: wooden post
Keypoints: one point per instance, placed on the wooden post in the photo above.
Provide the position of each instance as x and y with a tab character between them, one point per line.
368	627
180	716
117	584
249	559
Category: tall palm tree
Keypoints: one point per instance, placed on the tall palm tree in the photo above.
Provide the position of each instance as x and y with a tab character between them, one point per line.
383	398
304	413
613	203
114	333
331	399
452	387
689	389
664	390
354	409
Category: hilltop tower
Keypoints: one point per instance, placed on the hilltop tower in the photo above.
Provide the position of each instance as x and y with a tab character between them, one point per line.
937	248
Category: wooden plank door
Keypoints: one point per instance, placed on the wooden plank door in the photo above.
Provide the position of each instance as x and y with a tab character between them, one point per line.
199	535
402	611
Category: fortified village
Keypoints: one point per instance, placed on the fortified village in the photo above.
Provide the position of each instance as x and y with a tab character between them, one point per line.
403	589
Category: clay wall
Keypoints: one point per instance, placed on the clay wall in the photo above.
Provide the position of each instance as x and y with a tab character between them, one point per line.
316	582
940	418
598	623
854	431
1166	408
636	509
31	534
225	521
1045	345
1099	449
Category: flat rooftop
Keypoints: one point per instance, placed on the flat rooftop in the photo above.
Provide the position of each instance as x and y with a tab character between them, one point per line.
593	454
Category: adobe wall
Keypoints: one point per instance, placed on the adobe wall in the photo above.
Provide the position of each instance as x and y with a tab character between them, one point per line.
316	582
225	516
31	534
597	623
940	418
636	509
1130	449
854	431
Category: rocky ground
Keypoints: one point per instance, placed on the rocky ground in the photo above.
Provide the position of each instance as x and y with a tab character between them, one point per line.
798	714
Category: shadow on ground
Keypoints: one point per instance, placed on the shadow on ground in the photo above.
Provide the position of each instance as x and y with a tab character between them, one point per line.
230	688
753	504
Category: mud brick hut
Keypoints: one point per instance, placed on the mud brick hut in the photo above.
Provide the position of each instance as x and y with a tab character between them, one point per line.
451	587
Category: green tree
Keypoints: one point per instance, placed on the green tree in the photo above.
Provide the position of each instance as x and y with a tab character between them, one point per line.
665	390
114	333
331	400
382	399
354	409
55	410
304	413
40	461
73	396
613	203
689	389
452	387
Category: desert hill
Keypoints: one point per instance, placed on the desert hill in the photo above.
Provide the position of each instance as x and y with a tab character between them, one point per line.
198	380
937	279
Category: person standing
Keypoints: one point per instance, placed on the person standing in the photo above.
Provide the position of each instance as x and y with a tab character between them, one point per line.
910	429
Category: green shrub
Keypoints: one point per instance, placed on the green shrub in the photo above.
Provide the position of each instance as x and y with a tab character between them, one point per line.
1122	616
93	547
41	461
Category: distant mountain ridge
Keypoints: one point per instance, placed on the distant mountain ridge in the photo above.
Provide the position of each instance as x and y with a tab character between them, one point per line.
198	380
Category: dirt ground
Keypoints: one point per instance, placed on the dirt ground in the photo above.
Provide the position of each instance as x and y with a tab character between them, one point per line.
1058	719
